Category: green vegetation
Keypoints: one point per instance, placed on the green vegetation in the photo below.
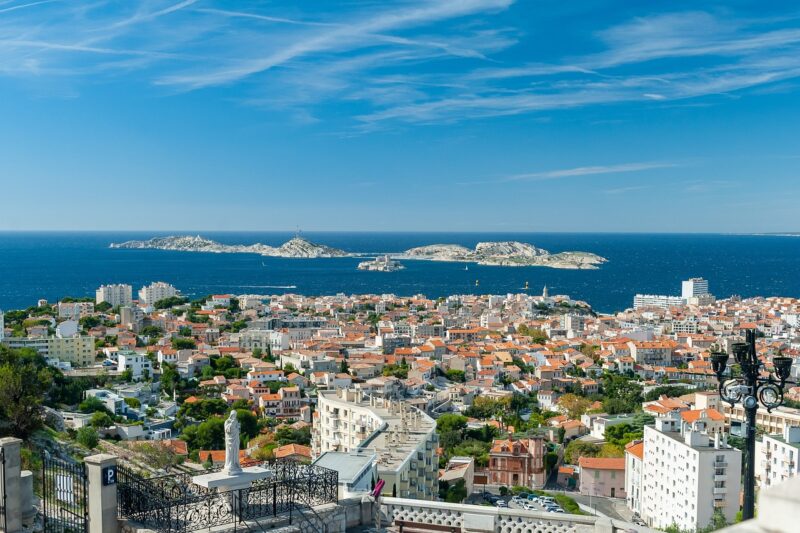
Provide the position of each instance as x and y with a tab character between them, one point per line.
88	322
25	383
183	343
455	493
455	375
671	391
172	301
537	335
152	331
87	436
622	395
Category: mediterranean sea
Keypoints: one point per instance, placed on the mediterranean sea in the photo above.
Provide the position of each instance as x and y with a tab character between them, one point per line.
53	265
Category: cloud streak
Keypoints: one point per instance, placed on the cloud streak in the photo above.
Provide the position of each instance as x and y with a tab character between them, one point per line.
588	171
393	65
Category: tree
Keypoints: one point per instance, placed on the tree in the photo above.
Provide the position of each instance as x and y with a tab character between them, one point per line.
455	375
561	434
550	461
151	331
611	450
622	434
183	343
343	368
451	422
248	423
170	378
89	322
25	380
172	301
101	420
208	435
102	307
503	491
456	493
133	403
577	449
574	405
87	436
92	405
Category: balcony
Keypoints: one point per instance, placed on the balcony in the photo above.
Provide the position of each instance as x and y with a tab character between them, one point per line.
721	477
720	490
720	464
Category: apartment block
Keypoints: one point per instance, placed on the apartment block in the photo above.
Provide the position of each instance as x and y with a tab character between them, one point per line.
776	457
685	475
403	438
116	295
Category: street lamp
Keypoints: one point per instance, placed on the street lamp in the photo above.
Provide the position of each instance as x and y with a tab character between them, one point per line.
750	388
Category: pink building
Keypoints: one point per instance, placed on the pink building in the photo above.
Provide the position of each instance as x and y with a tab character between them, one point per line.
517	463
602	476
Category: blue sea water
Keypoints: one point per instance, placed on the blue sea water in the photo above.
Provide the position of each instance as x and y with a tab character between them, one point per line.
53	265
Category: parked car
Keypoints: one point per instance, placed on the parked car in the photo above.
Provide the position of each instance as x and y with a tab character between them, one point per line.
501	503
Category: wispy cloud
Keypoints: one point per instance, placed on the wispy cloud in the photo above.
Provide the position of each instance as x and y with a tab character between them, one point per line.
625	190
588	171
414	62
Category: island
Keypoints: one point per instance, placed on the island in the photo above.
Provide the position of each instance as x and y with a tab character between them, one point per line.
295	247
382	263
507	253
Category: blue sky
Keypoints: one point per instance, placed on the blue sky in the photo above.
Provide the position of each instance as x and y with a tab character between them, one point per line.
463	115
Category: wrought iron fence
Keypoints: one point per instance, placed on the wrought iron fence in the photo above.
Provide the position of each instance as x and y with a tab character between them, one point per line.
173	504
3	521
64	496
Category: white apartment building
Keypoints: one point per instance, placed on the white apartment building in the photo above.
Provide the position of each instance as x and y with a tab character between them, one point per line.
694	287
656	300
150	294
78	350
403	437
776	457
686	476
262	339
634	466
137	363
116	295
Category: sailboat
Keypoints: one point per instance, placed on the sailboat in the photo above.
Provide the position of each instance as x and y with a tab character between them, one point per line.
466	267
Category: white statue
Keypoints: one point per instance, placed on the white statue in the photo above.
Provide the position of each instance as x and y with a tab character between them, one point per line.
232	466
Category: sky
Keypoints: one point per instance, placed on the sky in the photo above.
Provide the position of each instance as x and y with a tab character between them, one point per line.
412	115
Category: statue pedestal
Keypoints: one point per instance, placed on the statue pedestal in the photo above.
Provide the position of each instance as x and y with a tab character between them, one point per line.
225	481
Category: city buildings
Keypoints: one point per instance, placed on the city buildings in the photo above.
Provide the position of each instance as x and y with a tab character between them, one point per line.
74	310
634	465
404	439
150	294
138	364
602	476
685	475
77	350
694	287
776	457
517	462
116	295
656	300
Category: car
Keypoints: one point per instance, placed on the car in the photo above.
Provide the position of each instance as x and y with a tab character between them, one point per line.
559	510
523	495
501	503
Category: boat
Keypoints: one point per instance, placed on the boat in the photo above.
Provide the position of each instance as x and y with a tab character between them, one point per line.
466	267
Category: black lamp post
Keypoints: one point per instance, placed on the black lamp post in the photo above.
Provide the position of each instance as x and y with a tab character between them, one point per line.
750	388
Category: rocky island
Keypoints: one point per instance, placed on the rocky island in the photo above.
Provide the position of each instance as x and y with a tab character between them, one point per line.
508	253
295	247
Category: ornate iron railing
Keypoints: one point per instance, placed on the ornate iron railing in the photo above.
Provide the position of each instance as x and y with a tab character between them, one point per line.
3	520
173	504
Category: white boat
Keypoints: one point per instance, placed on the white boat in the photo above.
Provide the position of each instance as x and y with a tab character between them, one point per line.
466	267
